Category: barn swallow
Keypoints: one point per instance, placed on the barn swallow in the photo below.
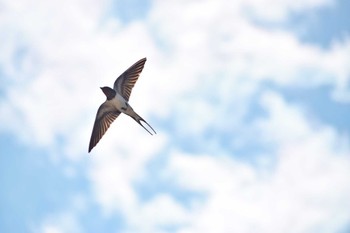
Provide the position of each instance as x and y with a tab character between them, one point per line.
117	102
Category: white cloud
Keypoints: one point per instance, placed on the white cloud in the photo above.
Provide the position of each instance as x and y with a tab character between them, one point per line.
119	163
306	191
279	10
67	58
67	62
60	223
159	213
206	61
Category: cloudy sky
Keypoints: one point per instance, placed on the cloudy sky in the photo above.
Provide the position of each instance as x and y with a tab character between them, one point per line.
250	100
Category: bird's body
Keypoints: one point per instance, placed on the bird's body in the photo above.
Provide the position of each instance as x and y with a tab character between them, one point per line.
120	103
117	102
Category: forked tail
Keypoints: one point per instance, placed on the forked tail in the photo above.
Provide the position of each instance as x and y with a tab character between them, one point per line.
138	119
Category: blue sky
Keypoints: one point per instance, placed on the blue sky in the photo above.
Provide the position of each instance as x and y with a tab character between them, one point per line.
250	105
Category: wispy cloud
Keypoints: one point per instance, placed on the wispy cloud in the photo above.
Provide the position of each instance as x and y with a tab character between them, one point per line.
205	89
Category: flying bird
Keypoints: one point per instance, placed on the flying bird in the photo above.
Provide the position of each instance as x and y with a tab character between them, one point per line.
117	102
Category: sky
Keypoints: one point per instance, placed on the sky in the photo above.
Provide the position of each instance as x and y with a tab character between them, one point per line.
250	100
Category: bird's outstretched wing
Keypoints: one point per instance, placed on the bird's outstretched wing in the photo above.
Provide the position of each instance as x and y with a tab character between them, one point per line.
126	81
106	114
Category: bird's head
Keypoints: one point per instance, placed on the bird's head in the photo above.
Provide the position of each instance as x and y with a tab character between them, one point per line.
109	92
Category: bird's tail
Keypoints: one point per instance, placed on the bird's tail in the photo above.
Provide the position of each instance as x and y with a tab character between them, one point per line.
138	119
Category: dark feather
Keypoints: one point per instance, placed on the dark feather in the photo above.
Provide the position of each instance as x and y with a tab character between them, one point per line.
104	118
126	81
